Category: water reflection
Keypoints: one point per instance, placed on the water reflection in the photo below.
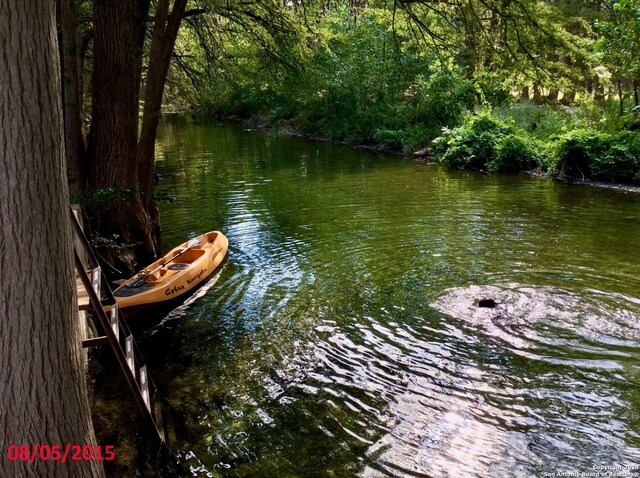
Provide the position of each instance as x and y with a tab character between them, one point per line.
341	338
552	320
483	420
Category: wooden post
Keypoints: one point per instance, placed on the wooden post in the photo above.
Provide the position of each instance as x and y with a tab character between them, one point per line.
144	386
114	321
95	280
129	353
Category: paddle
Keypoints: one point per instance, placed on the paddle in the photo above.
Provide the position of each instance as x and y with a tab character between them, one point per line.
142	280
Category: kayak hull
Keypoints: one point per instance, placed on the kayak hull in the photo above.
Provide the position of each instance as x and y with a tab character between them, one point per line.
174	275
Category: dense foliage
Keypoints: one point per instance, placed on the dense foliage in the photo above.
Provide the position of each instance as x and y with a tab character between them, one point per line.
485	142
597	155
355	86
396	76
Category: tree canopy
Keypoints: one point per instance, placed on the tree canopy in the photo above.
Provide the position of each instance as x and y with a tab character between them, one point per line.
390	73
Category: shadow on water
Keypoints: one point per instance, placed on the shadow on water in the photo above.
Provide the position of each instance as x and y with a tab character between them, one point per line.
342	339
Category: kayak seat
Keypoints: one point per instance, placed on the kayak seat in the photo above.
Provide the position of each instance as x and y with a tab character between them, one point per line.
189	256
178	267
157	275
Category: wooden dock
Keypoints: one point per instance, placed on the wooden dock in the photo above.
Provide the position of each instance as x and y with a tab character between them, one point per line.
94	293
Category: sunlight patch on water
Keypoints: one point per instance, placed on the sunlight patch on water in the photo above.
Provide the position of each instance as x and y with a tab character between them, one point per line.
542	318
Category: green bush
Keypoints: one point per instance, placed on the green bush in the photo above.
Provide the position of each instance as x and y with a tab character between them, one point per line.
573	151
492	88
598	156
620	162
473	145
540	121
631	119
513	154
390	139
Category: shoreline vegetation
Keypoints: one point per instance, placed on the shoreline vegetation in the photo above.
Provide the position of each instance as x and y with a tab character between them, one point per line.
488	144
558	96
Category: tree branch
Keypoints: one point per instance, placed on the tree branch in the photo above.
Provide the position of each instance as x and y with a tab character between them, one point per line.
194	11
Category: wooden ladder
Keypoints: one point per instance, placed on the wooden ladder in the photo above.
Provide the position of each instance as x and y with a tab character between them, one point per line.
117	332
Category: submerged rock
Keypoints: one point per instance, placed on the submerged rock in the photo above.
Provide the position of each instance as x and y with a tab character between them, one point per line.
487	303
421	153
530	316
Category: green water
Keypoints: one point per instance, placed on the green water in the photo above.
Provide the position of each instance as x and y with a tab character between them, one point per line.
341	337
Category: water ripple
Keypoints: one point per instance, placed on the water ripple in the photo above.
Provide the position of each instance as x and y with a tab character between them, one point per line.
338	340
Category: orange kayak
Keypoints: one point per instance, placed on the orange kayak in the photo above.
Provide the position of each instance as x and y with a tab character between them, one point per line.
175	274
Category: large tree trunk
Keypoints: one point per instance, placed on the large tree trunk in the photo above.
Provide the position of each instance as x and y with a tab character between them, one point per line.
71	95
165	32
537	95
117	158
82	42
119	28
43	397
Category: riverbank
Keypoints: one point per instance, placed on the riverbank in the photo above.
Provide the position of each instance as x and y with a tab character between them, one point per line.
487	143
629	188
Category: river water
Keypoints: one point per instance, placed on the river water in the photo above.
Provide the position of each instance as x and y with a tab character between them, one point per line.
342	337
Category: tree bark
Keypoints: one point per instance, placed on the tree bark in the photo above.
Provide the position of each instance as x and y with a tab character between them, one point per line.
43	396
620	97
119	28
71	96
82	41
537	95
165	32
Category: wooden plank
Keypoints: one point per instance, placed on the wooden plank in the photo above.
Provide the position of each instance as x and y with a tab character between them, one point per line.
95	342
159	420
105	315
77	213
83	298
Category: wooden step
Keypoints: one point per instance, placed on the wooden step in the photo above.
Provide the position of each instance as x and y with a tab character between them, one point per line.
84	303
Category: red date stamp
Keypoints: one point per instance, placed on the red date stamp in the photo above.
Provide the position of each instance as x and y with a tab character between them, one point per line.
60	453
